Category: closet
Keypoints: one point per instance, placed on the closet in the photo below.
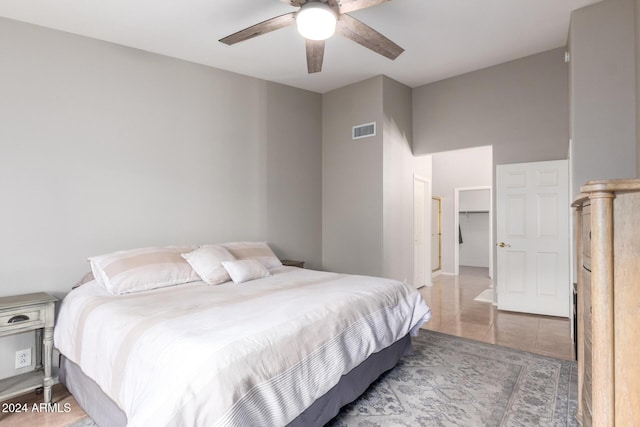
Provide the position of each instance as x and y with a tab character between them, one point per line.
474	228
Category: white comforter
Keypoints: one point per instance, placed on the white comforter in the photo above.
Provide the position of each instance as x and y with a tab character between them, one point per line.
258	353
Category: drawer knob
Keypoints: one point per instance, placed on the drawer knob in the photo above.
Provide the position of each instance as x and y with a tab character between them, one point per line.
18	318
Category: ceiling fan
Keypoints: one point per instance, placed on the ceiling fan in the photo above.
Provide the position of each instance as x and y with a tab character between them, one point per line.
317	20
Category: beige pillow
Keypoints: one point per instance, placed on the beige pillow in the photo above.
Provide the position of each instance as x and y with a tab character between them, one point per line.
245	270
142	269
207	262
254	250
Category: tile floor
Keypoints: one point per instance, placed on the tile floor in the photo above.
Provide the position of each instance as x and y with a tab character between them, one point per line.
455	312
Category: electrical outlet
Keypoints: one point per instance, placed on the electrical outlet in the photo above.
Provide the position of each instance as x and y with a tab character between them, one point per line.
23	358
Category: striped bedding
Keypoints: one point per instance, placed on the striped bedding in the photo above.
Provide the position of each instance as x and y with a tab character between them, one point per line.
258	353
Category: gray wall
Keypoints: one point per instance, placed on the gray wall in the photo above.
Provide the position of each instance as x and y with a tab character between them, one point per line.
294	173
399	168
352	176
519	107
367	209
104	147
603	104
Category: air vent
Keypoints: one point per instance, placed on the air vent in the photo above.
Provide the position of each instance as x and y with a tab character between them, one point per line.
364	131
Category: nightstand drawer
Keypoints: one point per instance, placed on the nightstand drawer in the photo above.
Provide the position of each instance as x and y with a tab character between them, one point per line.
24	317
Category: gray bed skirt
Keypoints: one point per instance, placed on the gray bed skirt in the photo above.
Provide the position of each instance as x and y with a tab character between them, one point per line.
106	413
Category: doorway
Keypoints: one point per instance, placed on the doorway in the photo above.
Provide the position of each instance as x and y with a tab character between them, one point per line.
460	169
473	228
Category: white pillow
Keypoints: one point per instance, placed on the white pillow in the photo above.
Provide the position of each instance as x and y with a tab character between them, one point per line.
245	270
207	262
142	269
254	250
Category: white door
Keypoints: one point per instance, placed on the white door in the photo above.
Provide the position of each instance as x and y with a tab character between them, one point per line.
532	201
419	254
436	233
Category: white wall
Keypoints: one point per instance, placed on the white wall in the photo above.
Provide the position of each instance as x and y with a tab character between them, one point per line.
458	169
474	200
104	147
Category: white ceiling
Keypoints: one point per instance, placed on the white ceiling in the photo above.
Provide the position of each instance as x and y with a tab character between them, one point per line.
442	38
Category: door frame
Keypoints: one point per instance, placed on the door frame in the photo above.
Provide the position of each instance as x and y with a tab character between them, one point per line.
456	227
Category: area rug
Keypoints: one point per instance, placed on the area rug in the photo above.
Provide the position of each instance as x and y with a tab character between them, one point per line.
485	296
452	381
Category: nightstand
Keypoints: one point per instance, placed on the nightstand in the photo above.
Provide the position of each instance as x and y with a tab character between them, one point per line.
292	263
23	313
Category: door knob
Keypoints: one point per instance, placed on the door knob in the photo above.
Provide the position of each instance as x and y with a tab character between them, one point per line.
503	245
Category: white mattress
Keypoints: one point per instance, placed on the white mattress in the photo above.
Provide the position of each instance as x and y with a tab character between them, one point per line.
258	353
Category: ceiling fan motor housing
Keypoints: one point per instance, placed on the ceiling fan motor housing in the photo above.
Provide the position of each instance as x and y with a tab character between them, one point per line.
316	21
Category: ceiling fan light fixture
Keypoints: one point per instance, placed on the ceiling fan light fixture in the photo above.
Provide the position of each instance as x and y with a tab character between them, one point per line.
316	21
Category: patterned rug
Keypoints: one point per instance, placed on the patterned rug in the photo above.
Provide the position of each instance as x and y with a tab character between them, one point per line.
451	381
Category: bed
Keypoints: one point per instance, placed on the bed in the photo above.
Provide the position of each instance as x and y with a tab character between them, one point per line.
289	348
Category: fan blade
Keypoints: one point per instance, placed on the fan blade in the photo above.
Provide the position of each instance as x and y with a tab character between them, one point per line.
363	34
315	55
261	28
347	6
